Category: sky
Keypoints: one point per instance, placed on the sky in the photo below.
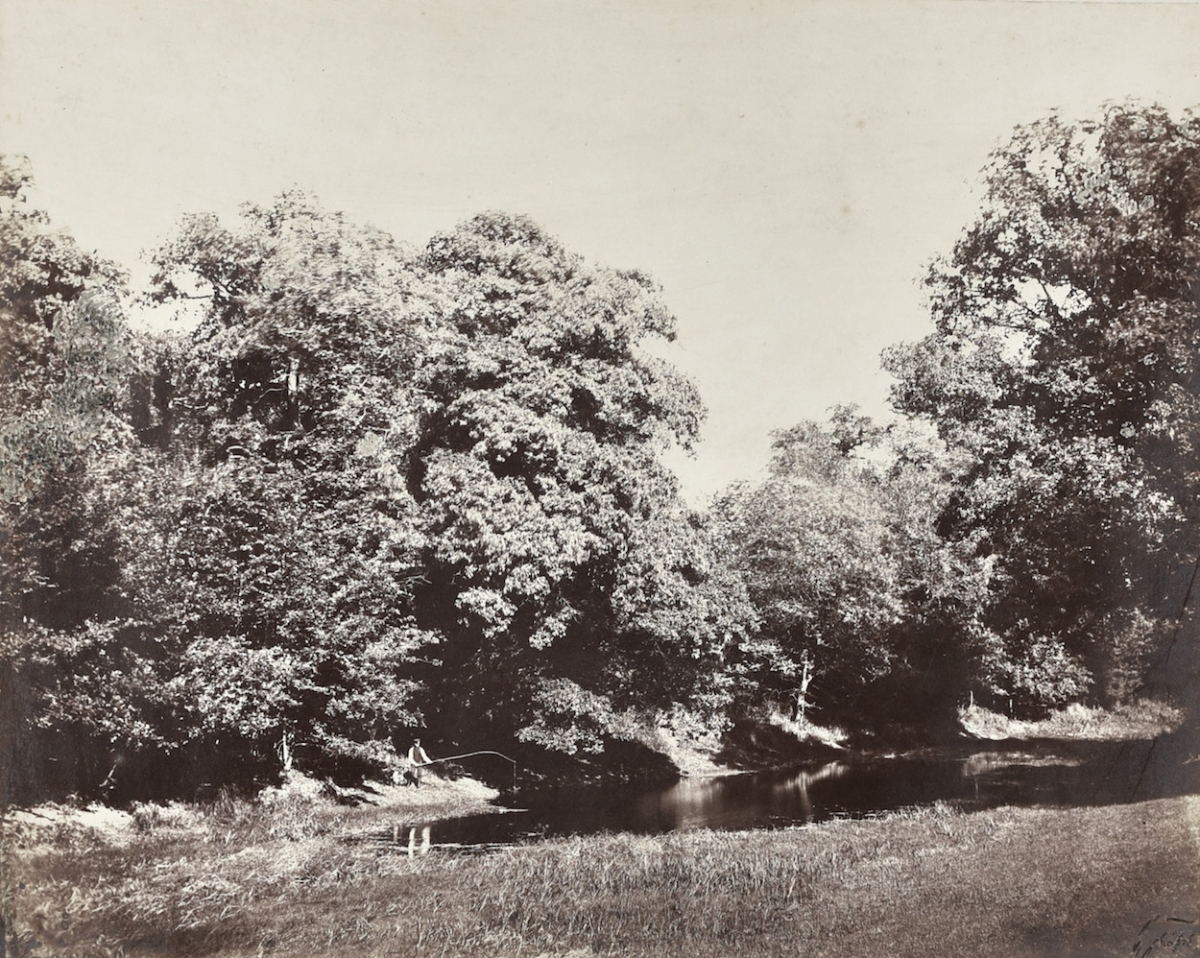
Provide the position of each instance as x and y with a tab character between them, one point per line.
786	170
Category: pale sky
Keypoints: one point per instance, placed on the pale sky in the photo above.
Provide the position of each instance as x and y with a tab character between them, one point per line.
785	169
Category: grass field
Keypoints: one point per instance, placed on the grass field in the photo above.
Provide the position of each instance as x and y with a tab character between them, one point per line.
289	878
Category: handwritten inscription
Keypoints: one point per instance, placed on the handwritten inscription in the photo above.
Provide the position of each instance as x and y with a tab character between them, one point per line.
1163	935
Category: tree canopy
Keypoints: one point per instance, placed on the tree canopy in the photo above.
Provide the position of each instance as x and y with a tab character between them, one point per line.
544	499
377	488
856	594
1064	361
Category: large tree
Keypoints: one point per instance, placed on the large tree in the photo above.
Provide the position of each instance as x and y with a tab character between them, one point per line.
576	597
285	541
1065	362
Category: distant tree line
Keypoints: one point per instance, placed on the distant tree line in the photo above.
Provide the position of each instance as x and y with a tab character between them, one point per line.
374	489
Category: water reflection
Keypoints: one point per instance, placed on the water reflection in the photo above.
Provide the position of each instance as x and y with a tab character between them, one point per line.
795	790
984	763
415	847
738	801
855	787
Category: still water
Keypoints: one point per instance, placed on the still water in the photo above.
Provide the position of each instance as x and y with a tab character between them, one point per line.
855	787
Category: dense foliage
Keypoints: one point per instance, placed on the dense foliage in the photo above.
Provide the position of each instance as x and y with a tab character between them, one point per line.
373	489
865	613
1044	549
65	358
1065	364
567	610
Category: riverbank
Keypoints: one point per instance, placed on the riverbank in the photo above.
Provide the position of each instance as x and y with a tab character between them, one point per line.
933	882
299	808
1145	719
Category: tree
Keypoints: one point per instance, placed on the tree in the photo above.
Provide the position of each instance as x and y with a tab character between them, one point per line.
289	542
412	489
853	588
373	489
565	605
1065	363
65	358
63	343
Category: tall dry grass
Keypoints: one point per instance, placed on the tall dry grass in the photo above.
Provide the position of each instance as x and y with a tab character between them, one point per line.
933	882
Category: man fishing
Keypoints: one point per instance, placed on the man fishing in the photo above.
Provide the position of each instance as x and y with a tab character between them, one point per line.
409	768
417	758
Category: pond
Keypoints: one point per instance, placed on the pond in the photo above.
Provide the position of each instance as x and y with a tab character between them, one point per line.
855	787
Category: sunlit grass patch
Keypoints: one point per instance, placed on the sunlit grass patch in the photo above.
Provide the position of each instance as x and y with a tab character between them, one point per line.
807	731
1144	719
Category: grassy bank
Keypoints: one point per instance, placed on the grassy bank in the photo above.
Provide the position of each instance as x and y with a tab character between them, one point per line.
936	882
1138	720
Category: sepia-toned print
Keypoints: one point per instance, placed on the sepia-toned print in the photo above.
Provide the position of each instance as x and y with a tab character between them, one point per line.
599	479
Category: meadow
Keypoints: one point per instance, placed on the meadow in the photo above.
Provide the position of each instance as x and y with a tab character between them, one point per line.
300	876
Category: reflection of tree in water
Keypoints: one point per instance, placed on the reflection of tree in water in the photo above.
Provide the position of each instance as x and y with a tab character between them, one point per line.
739	801
853	787
981	763
796	788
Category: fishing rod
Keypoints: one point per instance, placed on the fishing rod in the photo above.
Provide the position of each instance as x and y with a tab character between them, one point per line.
451	758
486	751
